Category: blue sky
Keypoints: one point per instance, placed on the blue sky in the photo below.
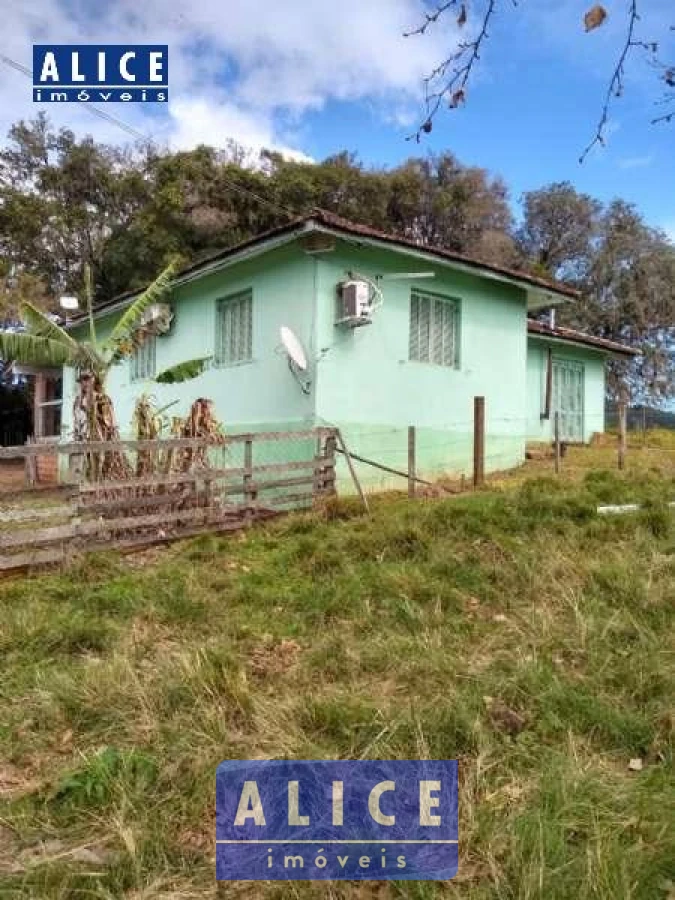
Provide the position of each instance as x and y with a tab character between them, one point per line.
312	77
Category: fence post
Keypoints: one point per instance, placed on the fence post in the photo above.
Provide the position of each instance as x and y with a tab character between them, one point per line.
30	462
352	470
324	462
329	481
248	477
556	441
622	435
478	441
411	462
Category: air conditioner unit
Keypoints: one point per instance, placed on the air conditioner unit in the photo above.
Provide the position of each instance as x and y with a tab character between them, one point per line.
157	318
353	304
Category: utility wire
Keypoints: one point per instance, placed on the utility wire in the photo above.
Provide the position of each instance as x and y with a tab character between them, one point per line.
135	133
90	109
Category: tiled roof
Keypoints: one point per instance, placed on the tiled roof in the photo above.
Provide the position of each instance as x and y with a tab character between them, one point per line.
578	337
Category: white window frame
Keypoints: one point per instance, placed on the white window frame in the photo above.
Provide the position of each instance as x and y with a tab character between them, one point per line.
434	329
234	345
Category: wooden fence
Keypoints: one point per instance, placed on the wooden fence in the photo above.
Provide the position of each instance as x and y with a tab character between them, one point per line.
174	489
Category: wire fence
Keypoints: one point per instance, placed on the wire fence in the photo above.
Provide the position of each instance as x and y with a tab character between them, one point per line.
640	418
452	457
371	458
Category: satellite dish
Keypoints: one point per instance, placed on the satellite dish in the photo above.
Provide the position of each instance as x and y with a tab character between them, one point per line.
294	348
69	303
297	359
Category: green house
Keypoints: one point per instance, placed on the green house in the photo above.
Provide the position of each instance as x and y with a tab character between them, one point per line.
383	334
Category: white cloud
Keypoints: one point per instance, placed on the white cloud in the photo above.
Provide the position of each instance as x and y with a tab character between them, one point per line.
201	122
636	162
240	69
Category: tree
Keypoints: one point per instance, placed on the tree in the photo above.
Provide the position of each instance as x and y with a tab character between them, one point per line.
559	227
448	82
45	343
625	272
61	199
629	296
436	200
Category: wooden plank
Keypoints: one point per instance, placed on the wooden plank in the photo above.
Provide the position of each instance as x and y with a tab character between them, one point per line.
30	465
190	477
167	444
33	558
39	490
40	512
31	537
133	523
35	537
255	487
150	501
288	498
151	540
123	504
352	470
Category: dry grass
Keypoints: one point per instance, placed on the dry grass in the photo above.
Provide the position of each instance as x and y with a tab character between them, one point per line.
513	629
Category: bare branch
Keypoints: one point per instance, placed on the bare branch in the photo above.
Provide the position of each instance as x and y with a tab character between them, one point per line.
460	65
616	84
447	82
431	18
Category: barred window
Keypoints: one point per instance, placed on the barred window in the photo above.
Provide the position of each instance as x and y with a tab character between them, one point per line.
434	329
234	329
143	359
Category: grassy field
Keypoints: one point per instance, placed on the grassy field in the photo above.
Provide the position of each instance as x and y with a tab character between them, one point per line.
513	629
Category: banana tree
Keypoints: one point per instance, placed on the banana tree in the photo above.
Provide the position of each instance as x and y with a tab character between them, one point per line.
45	343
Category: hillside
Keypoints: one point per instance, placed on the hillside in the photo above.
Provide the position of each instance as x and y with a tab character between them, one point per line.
513	629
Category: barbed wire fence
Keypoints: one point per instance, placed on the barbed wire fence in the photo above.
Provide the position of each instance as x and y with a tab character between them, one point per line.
460	455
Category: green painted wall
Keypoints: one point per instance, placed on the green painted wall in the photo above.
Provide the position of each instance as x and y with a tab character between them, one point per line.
369	388
539	429
362	379
254	396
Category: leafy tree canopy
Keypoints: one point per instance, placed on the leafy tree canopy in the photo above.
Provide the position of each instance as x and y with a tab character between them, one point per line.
67	204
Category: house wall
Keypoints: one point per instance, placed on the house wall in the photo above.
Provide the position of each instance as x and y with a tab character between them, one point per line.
255	396
539	429
369	388
361	379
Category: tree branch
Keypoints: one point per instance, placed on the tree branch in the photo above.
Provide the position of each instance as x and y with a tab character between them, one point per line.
461	64
431	18
616	84
448	80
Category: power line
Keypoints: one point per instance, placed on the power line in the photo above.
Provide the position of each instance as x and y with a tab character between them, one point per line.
90	109
278	208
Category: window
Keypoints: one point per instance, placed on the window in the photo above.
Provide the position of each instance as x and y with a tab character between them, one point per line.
47	403
434	329
234	329
143	360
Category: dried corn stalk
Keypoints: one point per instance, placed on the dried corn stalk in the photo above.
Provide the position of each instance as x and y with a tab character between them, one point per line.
200	422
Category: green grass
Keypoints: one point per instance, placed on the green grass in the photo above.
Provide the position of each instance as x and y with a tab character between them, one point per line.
125	681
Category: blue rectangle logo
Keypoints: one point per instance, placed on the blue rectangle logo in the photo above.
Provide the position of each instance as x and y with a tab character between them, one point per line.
100	73
349	819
